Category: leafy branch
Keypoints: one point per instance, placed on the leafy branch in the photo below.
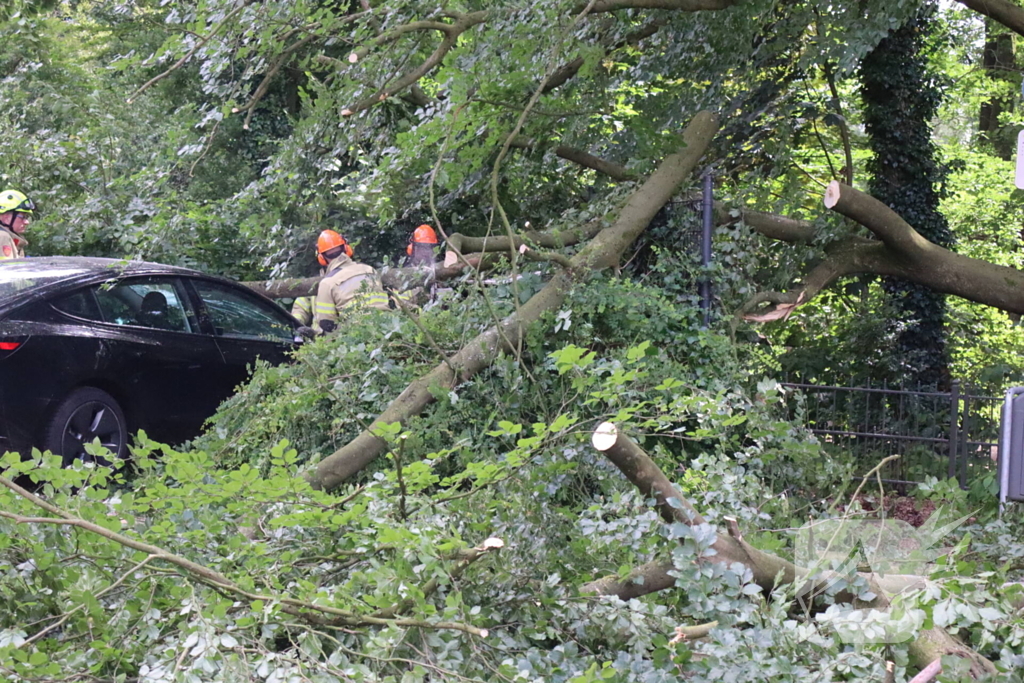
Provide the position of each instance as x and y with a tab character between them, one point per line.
323	615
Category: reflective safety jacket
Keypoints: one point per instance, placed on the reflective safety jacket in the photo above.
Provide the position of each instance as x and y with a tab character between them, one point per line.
348	285
11	245
302	309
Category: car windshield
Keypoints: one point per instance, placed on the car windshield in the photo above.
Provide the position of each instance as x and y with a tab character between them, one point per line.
21	275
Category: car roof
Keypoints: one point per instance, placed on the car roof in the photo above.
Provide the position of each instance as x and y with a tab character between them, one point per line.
61	272
84	266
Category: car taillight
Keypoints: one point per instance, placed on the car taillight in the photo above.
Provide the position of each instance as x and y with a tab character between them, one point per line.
9	345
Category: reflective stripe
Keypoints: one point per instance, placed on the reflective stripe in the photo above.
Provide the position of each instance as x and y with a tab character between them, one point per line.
369	299
305	303
325	308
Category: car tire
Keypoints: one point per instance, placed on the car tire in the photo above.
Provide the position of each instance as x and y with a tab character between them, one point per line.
85	414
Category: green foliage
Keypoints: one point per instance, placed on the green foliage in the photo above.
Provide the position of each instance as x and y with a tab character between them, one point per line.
196	171
529	479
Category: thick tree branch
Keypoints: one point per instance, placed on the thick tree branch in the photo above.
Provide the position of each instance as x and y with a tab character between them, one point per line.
776	227
886	224
1005	12
899	252
679	5
643	473
585	159
400	279
914	258
848	257
652	577
603	251
459	243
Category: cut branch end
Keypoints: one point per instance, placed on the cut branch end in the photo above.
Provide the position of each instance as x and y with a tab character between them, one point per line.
832	193
604	437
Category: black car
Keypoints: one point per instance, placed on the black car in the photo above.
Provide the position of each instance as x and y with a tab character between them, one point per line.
101	348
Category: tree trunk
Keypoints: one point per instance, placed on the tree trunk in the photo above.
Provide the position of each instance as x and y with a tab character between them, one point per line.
1000	66
900	101
602	251
396	278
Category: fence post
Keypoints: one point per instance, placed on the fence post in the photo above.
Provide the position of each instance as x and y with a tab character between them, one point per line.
954	426
965	437
705	250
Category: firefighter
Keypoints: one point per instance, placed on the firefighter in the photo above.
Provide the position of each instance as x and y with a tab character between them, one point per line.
15	213
422	243
346	285
302	309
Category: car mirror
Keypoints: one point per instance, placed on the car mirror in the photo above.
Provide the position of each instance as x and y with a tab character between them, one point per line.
305	333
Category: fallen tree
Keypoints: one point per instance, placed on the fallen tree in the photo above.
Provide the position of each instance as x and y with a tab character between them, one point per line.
767	570
603	251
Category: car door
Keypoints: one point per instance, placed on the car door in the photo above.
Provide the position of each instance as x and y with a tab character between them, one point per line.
245	327
155	348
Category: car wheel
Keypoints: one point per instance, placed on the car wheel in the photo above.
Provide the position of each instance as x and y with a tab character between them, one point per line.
86	414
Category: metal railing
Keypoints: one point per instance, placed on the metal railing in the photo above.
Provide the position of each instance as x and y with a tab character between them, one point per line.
952	434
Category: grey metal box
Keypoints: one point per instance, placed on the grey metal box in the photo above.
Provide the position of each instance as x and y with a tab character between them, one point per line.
1011	447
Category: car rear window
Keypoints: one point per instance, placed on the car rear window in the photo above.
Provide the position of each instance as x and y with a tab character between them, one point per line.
18	276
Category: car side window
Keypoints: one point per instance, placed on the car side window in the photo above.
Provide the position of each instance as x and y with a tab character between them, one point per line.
144	302
80	304
235	313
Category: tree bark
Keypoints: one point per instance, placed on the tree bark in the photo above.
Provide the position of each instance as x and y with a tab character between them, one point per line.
780	228
644	473
602	251
1005	12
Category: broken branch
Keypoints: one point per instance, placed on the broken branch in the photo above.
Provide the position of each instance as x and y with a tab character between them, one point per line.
578	156
765	569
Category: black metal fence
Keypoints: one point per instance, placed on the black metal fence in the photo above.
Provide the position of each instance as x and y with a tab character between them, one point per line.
951	434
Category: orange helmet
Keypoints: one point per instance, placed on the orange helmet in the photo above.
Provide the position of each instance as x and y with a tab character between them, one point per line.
424	235
329	240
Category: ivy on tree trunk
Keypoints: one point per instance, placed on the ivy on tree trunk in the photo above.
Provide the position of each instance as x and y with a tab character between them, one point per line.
901	96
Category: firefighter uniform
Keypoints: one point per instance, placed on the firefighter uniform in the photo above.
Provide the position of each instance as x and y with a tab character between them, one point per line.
302	310
348	285
11	245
